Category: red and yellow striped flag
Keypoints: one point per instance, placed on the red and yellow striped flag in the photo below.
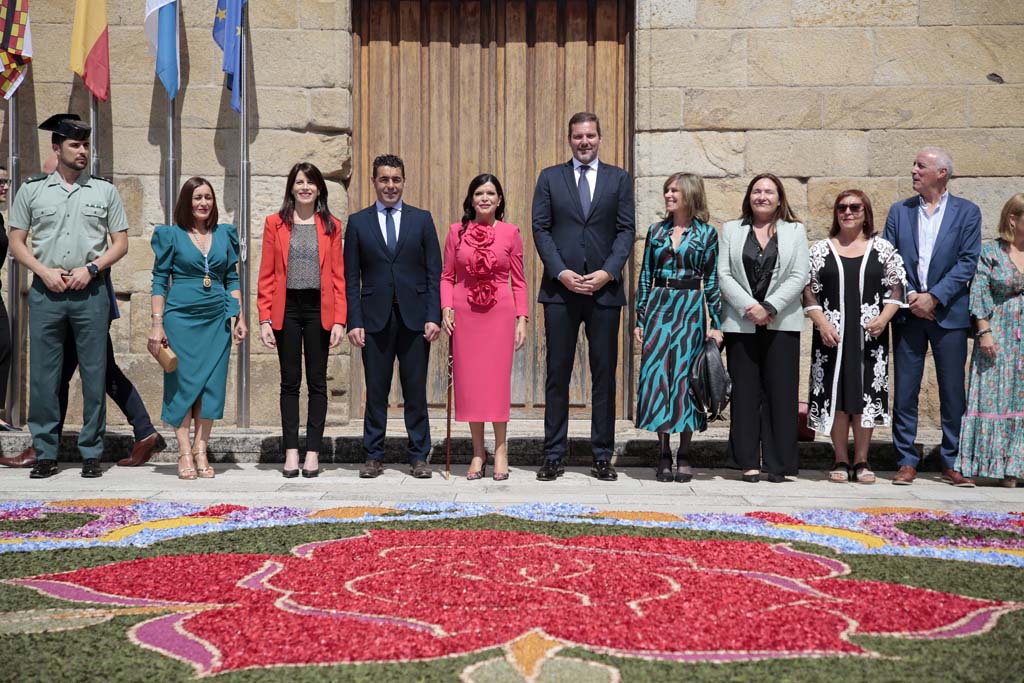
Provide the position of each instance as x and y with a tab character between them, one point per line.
15	45
90	55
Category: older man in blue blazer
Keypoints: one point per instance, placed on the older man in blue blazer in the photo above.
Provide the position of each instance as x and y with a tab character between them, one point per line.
939	237
393	290
583	228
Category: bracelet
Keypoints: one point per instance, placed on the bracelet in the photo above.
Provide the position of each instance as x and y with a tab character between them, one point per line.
982	333
157	315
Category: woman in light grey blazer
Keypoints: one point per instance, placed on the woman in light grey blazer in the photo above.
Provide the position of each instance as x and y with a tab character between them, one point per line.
763	265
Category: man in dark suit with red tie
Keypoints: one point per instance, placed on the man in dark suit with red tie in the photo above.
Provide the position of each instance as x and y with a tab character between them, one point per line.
583	227
393	287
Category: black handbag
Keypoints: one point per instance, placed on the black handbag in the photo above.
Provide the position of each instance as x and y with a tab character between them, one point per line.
710	384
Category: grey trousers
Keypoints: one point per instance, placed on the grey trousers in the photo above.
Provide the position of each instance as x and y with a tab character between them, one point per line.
52	316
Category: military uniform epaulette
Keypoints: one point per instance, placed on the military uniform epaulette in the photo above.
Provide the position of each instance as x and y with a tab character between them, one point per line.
36	178
106	180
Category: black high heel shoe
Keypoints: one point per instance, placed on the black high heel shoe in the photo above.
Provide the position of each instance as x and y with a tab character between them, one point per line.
664	472
309	474
683	472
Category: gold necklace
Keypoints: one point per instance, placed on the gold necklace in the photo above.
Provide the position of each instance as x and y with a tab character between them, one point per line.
207	281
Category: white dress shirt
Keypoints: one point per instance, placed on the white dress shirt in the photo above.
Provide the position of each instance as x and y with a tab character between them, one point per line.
382	217
927	233
591	174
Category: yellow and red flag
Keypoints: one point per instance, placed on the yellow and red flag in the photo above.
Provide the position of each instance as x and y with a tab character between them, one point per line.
15	45
90	54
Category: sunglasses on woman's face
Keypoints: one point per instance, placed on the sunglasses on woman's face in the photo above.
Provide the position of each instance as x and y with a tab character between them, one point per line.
852	208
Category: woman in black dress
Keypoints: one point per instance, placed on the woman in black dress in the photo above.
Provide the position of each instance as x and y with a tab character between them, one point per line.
857	285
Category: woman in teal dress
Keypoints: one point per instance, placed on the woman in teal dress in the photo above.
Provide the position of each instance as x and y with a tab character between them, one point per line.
195	295
680	255
992	438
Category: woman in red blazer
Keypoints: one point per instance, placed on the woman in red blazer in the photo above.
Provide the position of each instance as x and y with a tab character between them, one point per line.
301	303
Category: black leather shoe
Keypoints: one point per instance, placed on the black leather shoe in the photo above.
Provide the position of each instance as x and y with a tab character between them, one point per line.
774	478
751	478
43	469
289	474
550	470
91	468
604	471
309	474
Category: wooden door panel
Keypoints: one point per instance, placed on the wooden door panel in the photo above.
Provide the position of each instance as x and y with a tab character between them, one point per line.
461	87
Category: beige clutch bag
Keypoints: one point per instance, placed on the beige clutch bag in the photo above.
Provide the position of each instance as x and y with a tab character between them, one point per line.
167	359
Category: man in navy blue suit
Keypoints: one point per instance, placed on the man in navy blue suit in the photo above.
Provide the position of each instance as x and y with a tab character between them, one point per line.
393	283
939	237
583	228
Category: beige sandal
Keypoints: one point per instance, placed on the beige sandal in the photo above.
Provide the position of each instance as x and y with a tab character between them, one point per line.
203	468
187	472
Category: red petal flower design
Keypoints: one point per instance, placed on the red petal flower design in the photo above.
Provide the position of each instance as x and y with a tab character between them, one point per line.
401	595
480	290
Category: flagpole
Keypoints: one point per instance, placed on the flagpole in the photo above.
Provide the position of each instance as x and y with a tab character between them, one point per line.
170	182
241	81
16	392
94	134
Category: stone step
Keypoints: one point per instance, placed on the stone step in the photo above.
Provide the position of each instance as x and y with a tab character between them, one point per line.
633	447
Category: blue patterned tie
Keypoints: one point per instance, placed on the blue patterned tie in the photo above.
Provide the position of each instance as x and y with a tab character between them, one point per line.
389	223
584	189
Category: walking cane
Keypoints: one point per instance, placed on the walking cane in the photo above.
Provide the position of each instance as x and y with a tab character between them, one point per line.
448	437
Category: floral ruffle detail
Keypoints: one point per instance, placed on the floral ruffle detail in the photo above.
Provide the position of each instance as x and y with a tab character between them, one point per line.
481	291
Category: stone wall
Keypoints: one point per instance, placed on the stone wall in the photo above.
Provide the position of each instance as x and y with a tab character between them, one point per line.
300	109
828	94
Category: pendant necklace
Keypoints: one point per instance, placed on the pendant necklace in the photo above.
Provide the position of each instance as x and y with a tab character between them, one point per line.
207	281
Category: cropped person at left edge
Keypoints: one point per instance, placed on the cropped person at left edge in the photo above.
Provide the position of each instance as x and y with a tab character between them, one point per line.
70	214
301	303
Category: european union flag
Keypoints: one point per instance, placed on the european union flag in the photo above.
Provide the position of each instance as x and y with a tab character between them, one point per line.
227	31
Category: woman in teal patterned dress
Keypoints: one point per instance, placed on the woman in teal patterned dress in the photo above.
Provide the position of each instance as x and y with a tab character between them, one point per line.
195	295
992	438
681	253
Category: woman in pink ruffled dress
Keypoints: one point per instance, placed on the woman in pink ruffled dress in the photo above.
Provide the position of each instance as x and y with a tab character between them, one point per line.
483	287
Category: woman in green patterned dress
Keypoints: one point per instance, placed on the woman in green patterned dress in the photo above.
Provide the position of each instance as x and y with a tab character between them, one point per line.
992	438
678	279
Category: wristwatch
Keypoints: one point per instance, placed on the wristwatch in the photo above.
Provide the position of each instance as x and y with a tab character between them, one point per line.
93	270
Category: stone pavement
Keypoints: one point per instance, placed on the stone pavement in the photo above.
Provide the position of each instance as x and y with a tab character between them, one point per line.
248	473
714	490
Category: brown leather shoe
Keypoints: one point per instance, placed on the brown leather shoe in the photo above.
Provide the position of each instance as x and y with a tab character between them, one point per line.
905	476
142	451
371	469
27	458
421	470
956	479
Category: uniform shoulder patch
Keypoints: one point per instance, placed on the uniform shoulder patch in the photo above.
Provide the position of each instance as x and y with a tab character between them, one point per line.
37	178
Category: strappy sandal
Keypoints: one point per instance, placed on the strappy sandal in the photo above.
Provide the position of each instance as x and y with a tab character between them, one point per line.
862	474
840	473
203	469
187	472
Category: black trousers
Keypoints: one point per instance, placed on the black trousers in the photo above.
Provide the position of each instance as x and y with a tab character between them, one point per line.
302	334
411	349
118	387
561	330
5	353
765	371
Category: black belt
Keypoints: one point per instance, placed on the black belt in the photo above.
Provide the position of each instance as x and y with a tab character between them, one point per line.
677	282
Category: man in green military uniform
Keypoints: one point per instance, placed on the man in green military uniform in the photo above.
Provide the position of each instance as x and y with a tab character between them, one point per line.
71	215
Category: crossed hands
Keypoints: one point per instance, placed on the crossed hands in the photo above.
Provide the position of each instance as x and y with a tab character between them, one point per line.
584	284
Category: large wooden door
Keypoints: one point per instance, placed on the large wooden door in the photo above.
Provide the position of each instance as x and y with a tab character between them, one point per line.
457	88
